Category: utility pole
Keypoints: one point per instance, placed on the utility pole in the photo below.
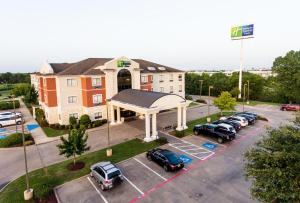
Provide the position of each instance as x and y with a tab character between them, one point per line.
201	82
108	150
248	98
208	106
244	96
241	69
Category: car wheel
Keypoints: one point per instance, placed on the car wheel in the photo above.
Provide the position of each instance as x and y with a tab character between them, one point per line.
102	187
196	132
19	123
166	168
220	140
149	157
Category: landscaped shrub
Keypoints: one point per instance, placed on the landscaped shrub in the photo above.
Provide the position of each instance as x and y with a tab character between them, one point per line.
262	118
201	101
39	115
188	97
72	120
97	123
14	140
85	120
4	105
162	140
179	134
45	188
44	123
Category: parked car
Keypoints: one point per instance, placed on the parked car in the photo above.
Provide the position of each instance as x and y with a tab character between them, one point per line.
228	127
169	160
106	174
248	113
9	120
290	107
220	132
8	113
243	121
237	126
251	119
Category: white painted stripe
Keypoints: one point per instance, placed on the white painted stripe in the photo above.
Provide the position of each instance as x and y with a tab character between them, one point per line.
150	169
133	185
208	156
186	152
213	142
201	152
97	190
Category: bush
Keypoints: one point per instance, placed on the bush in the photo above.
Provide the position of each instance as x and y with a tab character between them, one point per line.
179	134
39	115
85	120
14	140
162	140
104	121
188	97
97	123
262	118
4	105
62	127
72	120
44	123
201	101
45	188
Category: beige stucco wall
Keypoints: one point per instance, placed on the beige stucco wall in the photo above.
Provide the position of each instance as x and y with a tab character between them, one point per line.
166	83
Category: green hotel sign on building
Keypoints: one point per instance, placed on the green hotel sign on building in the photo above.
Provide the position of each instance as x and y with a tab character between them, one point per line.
122	63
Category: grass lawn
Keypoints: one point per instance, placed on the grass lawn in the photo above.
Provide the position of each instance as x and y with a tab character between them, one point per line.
4	94
50	132
193	104
191	124
253	103
59	174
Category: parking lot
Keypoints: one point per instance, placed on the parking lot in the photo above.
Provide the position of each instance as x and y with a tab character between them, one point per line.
146	181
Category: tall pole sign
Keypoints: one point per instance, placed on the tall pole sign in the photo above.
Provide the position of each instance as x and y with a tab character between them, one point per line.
241	33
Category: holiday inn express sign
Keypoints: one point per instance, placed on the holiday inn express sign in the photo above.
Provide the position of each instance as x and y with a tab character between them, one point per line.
242	32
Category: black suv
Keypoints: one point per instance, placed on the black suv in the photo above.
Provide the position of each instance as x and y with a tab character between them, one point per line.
234	124
251	119
166	158
220	132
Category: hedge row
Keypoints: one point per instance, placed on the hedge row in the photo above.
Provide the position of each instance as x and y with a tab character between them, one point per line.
4	105
15	140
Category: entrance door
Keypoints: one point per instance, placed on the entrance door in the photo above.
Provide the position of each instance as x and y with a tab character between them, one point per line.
124	80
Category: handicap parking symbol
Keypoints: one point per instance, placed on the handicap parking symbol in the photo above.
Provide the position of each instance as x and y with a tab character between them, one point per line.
185	159
209	145
31	127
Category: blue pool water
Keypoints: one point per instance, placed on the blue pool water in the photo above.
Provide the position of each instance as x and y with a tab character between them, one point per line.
2	137
2	129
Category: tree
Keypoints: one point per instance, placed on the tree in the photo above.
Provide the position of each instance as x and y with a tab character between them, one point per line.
31	96
288	75
220	82
21	89
75	144
225	102
72	121
235	92
273	165
85	120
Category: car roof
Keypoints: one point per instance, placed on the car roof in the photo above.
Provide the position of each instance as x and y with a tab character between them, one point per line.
107	166
225	125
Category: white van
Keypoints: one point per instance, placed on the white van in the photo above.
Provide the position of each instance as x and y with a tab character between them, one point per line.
9	120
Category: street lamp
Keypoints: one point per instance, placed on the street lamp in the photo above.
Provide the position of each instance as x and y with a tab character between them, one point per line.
108	150
15	113
28	193
208	110
244	96
201	82
248	91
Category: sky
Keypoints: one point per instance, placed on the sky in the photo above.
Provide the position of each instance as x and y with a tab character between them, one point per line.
191	34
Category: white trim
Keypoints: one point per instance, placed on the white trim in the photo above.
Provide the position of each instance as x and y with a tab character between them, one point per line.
133	185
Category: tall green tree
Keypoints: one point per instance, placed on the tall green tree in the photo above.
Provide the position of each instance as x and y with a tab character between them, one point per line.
31	95
273	165
74	145
288	75
225	102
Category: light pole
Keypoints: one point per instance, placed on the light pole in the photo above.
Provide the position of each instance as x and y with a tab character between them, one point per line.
108	150
201	82
248	91
15	113
28	193
244	96
208	110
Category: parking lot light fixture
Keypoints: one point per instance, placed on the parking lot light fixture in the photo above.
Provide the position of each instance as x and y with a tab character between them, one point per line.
244	96
201	83
248	98
15	113
208	110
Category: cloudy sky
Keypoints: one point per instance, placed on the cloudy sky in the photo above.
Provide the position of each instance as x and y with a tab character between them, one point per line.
181	34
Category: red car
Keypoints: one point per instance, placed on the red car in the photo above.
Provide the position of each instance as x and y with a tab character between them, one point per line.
290	107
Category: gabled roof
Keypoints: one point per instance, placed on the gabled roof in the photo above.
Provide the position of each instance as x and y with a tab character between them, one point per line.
145	64
137	97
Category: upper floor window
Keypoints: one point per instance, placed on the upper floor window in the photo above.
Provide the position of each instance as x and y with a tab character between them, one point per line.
171	89
171	77
161	78
180	88
98	115
161	89
71	82
97	99
75	115
151	78
72	99
180	77
96	82
144	79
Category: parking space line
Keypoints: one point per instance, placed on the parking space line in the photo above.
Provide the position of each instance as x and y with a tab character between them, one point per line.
202	138
201	152
133	185
94	186
150	169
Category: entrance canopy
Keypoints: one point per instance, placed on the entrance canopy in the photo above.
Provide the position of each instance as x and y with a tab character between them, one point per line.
149	103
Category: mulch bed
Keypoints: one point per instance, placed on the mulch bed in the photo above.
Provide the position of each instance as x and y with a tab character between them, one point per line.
78	165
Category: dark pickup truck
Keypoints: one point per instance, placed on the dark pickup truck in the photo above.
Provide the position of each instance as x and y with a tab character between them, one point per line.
221	133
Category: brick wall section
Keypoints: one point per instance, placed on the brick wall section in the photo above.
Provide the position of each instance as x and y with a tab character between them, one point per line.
41	90
88	91
147	86
50	92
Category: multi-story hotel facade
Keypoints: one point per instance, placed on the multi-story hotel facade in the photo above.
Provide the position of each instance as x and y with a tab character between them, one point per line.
84	87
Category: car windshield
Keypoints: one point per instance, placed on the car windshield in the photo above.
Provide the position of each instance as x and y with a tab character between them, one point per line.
113	174
173	158
231	129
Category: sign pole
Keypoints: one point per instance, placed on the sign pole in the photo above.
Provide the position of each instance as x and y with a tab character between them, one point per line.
241	70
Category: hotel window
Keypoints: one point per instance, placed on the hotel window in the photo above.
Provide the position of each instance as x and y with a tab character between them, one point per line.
171	77
161	89
97	99
171	89
180	77
75	115
71	82
180	88
98	115
72	99
144	79
96	82
151	78
161	78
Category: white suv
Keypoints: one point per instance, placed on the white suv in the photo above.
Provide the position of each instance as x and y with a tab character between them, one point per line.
9	120
8	113
239	119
